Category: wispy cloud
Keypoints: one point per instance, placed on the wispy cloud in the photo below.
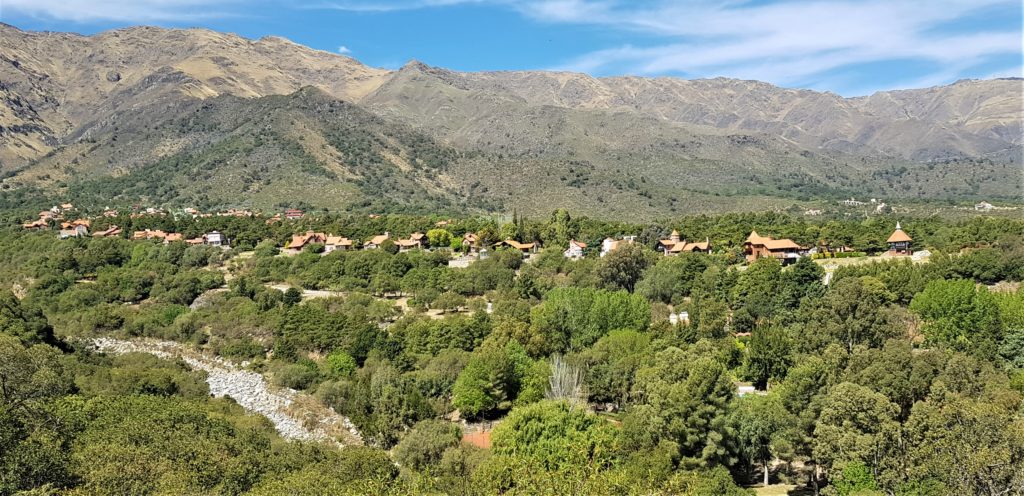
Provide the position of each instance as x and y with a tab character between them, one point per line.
344	50
124	10
786	42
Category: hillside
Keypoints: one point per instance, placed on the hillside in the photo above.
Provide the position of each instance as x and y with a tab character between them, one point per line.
163	115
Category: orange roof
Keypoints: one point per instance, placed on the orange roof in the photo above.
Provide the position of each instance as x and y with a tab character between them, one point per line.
338	241
147	234
520	246
300	240
577	243
416	236
898	236
379	239
772	243
174	237
35	224
110	231
685	246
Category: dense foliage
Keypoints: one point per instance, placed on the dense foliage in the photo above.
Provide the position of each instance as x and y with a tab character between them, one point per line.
895	376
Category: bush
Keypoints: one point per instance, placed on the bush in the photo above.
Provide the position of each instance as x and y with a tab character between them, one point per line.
424	445
339	364
295	376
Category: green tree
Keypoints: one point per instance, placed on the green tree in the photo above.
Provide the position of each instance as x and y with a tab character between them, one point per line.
623	267
767	356
959	316
424	445
764	429
439	238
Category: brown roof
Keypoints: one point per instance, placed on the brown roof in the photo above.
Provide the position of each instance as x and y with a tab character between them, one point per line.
300	240
772	243
338	241
898	236
379	239
685	246
174	237
110	231
417	236
147	234
577	243
520	246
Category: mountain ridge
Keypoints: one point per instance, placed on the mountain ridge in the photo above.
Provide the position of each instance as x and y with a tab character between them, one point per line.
63	95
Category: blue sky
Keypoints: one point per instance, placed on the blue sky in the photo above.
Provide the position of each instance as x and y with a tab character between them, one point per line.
851	47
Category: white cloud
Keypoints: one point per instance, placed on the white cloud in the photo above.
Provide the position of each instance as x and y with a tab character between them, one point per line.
123	10
787	42
344	50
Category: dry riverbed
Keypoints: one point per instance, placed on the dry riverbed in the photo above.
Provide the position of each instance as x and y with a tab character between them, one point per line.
296	415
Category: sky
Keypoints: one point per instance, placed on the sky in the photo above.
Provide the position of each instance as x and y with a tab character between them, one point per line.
849	47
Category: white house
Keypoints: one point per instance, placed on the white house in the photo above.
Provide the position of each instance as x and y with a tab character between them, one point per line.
215	238
575	250
609	244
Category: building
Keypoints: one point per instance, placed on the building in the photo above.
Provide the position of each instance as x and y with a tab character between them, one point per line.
293	214
301	241
984	206
148	234
525	248
36	224
76	222
110	232
376	241
899	242
575	250
337	243
674	245
416	240
784	250
77	231
215	238
172	237
609	245
470	243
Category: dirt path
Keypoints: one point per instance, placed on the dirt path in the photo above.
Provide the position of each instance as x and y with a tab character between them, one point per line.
296	415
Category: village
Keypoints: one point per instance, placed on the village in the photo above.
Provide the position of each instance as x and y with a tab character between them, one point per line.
471	247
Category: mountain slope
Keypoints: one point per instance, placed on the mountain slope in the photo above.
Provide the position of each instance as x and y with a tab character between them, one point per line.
165	115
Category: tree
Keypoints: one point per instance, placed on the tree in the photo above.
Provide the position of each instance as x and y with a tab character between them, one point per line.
292	296
959	316
491	380
439	238
854	311
574	318
623	267
425	444
764	429
26	323
767	356
684	398
672	278
802	279
856	425
757	288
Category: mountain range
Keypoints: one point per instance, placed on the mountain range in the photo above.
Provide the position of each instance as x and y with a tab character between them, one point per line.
204	118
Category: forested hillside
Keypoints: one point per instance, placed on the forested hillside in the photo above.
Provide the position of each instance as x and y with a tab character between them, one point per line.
518	375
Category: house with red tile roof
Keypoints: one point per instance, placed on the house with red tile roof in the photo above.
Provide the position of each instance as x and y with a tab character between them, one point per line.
784	250
575	250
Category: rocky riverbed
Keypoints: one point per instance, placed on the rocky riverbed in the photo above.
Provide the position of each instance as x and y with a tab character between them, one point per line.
294	414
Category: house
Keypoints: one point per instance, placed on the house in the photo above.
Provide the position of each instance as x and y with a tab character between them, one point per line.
416	240
301	241
470	243
293	214
147	234
376	241
110	213
215	238
337	243
76	222
674	245
687	247
77	231
172	237
984	206
525	248
36	224
275	218
899	242
575	250
852	202
609	245
757	246
110	232
66	206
